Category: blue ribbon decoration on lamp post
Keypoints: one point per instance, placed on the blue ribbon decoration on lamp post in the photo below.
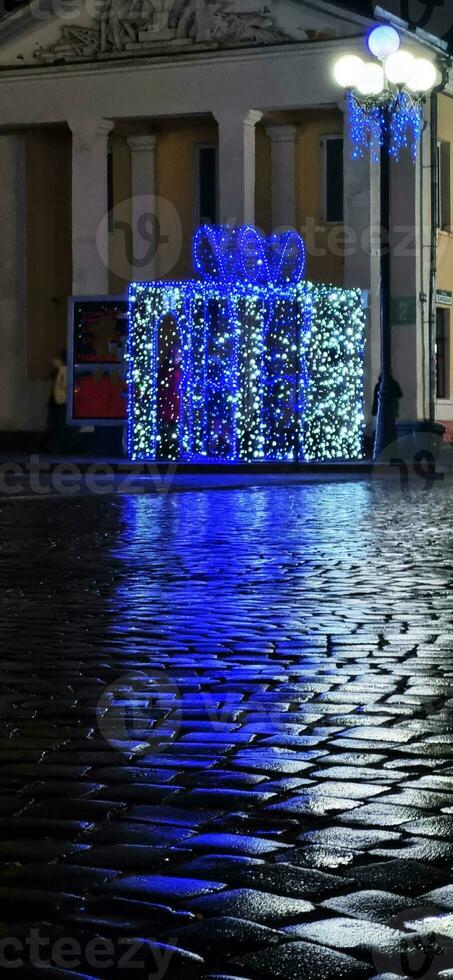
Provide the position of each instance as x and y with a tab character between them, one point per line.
385	100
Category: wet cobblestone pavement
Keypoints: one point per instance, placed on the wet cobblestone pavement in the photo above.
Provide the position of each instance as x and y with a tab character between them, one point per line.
226	734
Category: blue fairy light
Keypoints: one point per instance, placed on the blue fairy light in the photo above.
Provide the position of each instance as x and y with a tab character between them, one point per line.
368	124
366	128
271	366
406	126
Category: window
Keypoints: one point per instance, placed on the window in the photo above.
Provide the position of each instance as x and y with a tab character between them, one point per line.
444	186
332	179
442	352
206	184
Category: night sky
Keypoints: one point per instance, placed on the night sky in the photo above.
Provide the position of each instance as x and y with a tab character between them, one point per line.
427	14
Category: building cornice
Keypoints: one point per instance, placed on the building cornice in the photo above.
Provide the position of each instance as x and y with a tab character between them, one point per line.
125	62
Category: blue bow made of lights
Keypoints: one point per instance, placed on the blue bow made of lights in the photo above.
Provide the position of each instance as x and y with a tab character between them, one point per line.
225	254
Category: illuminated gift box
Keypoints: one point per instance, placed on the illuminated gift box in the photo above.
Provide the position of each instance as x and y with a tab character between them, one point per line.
247	362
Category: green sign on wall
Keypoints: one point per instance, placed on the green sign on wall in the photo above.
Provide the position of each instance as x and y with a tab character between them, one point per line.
404	311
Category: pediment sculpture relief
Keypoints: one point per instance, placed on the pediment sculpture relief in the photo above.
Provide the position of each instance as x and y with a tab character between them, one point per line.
139	25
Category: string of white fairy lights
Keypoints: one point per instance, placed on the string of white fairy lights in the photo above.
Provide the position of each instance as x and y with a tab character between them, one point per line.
271	365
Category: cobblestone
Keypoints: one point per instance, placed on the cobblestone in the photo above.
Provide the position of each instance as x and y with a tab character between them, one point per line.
290	961
227	722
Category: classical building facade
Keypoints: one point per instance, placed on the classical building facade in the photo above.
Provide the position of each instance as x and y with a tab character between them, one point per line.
124	123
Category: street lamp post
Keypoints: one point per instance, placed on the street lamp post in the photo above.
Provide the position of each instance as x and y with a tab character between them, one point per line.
385	99
386	419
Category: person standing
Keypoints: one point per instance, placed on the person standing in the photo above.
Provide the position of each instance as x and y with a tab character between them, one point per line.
397	394
59	392
56	405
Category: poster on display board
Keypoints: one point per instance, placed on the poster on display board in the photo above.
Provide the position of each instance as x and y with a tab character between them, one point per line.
97	342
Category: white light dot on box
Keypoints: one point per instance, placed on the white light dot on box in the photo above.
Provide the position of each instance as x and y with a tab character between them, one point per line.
267	366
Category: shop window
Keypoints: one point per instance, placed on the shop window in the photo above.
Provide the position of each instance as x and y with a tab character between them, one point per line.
332	179
442	353
444	186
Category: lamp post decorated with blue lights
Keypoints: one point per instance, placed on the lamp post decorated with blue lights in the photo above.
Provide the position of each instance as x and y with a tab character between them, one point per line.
385	100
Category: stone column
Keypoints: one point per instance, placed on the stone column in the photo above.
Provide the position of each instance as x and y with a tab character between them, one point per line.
90	244
361	252
283	170
22	402
143	206
237	166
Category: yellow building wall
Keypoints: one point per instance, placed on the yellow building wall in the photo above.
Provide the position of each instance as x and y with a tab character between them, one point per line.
175	162
445	255
49	260
175	156
48	246
445	237
323	241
